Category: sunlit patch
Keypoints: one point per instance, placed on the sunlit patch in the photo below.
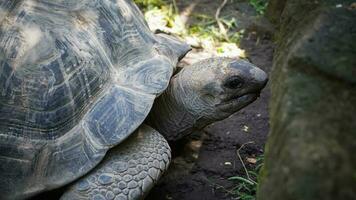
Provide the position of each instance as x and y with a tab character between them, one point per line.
204	36
227	49
156	19
32	36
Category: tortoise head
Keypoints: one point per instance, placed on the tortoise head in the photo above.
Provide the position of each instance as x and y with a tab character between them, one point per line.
205	92
218	87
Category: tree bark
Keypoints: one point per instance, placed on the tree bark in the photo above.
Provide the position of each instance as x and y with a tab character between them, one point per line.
310	153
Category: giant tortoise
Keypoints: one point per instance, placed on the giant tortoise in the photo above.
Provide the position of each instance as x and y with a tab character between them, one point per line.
77	80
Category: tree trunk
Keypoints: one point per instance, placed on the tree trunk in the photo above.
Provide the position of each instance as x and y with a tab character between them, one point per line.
311	149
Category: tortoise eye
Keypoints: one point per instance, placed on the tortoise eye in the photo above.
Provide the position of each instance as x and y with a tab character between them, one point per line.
234	82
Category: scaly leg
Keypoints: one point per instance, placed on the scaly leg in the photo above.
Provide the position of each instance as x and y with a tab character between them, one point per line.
128	171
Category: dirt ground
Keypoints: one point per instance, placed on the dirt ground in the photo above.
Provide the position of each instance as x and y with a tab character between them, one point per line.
203	163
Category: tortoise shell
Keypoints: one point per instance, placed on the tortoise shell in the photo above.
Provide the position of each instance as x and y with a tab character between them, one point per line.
76	78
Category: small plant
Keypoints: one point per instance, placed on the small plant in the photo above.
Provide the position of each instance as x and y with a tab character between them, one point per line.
259	5
205	33
246	187
149	4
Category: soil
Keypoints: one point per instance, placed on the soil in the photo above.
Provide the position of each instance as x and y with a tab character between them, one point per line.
202	163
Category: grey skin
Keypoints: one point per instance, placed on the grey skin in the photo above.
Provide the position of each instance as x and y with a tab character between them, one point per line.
203	93
77	80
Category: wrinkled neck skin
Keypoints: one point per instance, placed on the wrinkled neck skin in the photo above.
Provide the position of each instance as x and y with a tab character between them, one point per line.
173	113
183	108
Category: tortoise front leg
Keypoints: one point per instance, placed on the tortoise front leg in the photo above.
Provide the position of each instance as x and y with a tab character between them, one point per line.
128	171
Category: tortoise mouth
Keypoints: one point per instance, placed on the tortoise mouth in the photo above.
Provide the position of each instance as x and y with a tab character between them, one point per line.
242	100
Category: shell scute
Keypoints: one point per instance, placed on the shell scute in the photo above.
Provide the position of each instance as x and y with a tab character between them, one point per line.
74	82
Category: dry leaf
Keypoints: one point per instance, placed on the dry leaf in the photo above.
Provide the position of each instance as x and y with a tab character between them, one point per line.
251	160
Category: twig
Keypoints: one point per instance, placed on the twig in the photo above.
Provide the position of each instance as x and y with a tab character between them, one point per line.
218	20
242	162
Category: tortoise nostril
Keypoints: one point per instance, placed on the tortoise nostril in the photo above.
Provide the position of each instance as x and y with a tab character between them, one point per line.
234	82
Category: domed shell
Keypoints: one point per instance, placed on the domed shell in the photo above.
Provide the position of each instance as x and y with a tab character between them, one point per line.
76	78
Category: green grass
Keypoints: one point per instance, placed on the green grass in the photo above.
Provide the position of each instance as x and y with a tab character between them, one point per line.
205	28
208	33
259	5
246	186
149	4
208	28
